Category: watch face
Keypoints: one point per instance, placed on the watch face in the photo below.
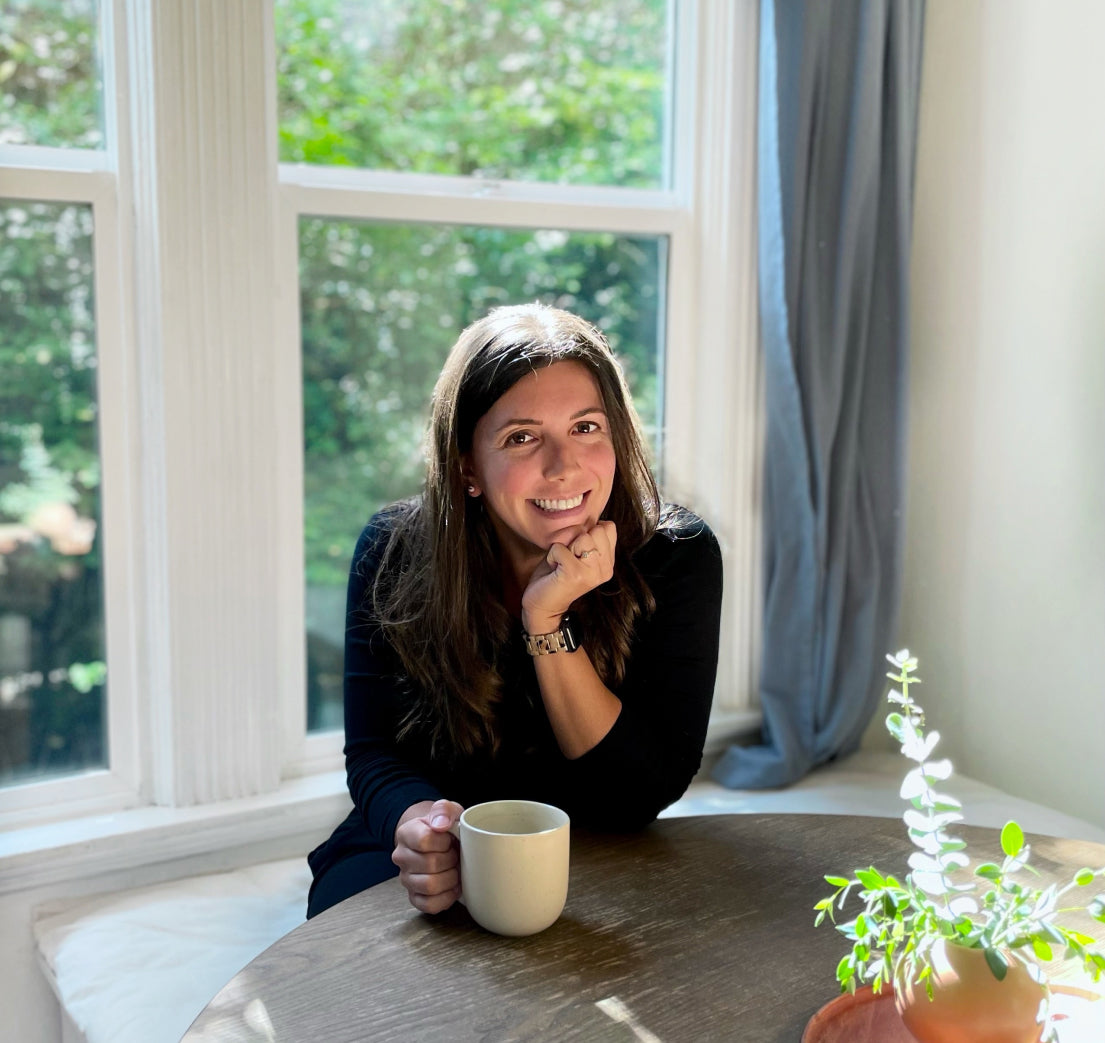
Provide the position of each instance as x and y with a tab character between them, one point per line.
568	630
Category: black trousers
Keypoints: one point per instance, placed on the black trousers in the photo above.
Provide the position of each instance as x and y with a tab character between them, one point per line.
345	865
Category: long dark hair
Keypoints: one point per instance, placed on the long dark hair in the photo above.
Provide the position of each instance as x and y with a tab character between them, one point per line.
438	591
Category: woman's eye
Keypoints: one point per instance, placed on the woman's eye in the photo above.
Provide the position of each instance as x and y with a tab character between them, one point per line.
519	438
587	427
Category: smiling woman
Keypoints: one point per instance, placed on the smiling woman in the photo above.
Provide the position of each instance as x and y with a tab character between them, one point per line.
466	679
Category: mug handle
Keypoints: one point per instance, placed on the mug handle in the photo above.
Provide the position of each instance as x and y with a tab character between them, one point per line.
455	830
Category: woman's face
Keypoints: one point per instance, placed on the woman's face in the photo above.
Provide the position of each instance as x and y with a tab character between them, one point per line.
543	460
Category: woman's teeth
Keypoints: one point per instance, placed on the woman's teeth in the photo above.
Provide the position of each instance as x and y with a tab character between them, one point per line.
560	505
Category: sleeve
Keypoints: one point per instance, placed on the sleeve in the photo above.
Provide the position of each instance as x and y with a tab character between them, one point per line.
382	784
654	749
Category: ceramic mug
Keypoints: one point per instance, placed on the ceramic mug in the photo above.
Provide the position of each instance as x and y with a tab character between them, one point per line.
513	864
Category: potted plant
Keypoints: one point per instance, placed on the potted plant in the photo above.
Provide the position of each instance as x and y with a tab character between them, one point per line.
944	943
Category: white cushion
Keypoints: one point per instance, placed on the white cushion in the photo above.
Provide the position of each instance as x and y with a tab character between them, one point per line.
868	783
140	965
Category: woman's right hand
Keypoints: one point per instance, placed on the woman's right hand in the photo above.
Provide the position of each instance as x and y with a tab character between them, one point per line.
428	855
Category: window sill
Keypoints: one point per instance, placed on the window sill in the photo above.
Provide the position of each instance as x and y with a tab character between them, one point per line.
36	856
42	855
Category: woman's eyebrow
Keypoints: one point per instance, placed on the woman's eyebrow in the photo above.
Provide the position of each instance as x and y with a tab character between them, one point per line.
515	421
531	422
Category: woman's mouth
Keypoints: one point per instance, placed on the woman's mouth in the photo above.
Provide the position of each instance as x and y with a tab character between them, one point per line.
569	503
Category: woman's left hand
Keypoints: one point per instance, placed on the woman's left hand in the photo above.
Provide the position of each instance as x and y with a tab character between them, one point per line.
567	573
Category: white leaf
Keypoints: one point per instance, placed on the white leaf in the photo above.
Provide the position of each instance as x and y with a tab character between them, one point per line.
924	863
938	769
917	748
913	785
963	906
928	822
918	820
930	883
954	858
1015	865
927	842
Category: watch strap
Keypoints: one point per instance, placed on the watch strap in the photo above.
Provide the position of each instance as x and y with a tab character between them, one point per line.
563	639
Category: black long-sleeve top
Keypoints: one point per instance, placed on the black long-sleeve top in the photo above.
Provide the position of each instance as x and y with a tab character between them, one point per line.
641	765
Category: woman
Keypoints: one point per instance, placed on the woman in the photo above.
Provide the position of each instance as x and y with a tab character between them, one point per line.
536	625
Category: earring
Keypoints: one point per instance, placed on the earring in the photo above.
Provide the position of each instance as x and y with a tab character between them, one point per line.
471	490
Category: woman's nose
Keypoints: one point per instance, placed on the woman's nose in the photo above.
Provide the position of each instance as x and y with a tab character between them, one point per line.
560	458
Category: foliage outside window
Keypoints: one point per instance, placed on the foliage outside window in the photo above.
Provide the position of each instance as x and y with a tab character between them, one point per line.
52	674
568	91
50	90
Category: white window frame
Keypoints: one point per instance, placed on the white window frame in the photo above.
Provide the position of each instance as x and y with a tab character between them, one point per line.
90	177
201	407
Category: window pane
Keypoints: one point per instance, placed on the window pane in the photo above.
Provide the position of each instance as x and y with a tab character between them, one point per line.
50	89
52	674
382	304
571	91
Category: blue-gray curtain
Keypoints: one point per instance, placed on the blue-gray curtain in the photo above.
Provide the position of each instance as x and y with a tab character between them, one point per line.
839	83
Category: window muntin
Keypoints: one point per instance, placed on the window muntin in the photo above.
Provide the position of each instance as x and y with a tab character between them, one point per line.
567	91
381	305
51	90
52	671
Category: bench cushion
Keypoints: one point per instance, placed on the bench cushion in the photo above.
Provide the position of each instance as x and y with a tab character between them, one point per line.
140	965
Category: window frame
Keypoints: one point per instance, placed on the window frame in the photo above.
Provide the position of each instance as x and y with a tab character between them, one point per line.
91	178
175	738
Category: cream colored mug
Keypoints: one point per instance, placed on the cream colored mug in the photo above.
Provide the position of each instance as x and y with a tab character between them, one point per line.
513	864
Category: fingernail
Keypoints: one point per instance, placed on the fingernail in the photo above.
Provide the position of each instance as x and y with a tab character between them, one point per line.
440	822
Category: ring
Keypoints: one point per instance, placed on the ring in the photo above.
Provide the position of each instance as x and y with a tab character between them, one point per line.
586	553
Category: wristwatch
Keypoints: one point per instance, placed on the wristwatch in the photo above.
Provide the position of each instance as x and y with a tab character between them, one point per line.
566	639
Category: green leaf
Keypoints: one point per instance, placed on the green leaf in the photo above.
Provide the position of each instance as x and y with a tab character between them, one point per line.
996	962
1084	877
1041	949
1012	839
988	871
1078	936
870	878
837	881
894	722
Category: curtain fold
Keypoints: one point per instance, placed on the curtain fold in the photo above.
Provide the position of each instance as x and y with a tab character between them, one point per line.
839	82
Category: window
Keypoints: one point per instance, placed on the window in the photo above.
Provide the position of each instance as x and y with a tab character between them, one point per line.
52	668
53	702
252	266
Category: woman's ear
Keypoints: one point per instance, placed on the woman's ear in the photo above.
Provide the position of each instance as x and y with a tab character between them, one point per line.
471	487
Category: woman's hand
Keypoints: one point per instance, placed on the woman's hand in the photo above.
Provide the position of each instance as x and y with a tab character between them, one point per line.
427	854
567	573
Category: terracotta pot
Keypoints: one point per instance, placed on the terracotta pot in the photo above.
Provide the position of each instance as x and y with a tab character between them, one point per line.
970	1005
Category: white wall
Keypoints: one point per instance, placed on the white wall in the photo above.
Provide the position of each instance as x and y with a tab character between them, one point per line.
1004	592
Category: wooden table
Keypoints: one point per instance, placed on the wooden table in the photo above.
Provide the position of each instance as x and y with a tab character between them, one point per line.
701	928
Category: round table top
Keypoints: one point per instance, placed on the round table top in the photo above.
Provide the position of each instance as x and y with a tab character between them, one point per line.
697	929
